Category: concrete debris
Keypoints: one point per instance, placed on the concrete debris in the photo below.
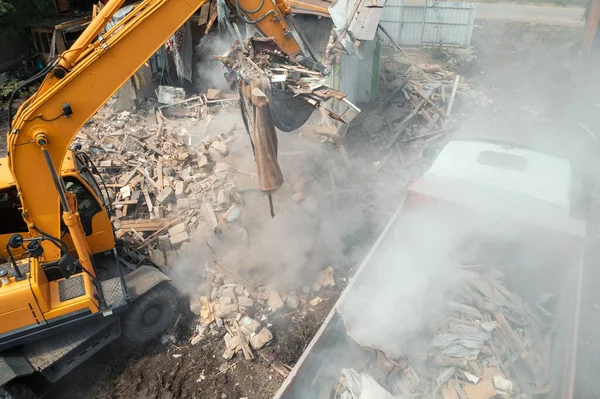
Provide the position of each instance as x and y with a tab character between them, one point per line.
261	339
228	292
226	311
179	228
169	196
325	278
502	383
170	95
158	257
179	238
275	301
292	301
220	146
165	195
315	301
246	302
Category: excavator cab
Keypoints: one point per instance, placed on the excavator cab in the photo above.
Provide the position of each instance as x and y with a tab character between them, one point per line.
93	207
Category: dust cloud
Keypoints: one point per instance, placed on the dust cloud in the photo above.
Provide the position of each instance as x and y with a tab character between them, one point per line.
209	74
305	236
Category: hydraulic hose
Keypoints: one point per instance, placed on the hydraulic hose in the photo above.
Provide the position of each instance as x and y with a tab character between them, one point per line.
29	81
239	9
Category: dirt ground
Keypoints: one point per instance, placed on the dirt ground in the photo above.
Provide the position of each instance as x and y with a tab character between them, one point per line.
180	370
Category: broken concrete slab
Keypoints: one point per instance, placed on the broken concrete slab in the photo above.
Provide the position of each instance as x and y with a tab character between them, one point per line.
172	258
275	302
166	195
158	257
179	189
164	244
220	146
261	339
223	197
226	311
229	292
246	302
214	155
183	203
292	301
178	228
248	326
179	238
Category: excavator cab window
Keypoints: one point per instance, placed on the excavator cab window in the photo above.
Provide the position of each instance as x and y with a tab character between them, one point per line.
86	202
11	220
86	175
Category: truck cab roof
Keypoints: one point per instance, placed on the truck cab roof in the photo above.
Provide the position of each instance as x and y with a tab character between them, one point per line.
509	168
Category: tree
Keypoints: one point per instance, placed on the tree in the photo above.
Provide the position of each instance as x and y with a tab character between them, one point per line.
18	14
6	7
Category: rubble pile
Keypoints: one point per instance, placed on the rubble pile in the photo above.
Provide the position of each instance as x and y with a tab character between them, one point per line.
487	344
420	102
239	311
166	194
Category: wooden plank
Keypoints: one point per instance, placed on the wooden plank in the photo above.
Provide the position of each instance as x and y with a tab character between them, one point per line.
148	201
125	202
213	16
404	123
518	346
124	179
142	222
434	105
250	286
144	173
204	11
155	235
157	224
160	178
245	347
453	95
149	146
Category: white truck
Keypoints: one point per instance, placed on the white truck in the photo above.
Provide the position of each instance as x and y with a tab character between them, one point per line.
485	244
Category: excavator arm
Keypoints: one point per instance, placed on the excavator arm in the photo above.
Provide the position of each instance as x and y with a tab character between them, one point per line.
81	81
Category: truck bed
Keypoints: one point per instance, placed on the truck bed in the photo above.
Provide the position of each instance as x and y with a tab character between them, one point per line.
383	323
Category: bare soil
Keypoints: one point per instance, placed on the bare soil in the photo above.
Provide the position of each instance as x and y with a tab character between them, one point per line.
180	370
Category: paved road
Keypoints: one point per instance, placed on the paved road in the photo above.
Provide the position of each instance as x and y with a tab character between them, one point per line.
524	13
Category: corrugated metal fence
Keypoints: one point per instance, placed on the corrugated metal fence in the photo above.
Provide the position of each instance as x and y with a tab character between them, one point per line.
433	24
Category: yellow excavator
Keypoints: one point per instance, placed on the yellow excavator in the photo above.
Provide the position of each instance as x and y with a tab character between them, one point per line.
65	289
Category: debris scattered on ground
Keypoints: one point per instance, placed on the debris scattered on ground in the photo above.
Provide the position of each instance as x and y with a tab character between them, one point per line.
166	193
487	344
